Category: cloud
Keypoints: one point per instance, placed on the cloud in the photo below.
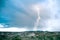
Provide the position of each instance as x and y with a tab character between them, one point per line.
52	25
13	29
19	13
1	25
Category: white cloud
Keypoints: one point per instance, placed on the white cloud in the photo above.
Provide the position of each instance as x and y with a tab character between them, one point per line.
1	25
52	25
13	29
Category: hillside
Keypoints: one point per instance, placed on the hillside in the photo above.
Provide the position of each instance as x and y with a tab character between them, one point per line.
30	35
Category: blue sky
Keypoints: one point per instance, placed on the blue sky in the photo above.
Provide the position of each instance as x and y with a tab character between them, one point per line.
24	14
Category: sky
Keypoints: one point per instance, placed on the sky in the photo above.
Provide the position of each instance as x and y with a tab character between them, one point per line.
30	15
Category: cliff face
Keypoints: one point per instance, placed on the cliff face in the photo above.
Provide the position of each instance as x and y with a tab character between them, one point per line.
31	35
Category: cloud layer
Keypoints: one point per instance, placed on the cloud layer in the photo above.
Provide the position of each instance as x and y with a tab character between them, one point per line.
21	14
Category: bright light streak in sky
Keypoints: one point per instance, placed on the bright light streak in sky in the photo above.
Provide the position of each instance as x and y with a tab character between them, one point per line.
37	8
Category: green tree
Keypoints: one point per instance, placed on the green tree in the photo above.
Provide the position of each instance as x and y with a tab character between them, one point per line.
16	38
